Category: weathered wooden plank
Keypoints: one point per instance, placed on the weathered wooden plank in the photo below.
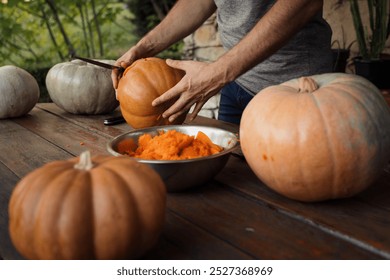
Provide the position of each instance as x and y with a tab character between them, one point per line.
23	151
363	222
182	240
89	122
378	194
260	229
8	180
66	135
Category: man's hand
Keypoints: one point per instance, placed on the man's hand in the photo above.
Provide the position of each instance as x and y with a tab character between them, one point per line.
124	61
200	82
182	20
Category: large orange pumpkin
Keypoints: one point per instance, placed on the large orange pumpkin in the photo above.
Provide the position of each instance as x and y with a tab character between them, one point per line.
100	208
141	83
317	138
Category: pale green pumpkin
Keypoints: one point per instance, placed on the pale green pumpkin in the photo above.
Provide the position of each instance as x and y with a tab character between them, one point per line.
79	87
19	92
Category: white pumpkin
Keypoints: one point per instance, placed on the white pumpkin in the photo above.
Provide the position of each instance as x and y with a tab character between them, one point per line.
19	92
79	87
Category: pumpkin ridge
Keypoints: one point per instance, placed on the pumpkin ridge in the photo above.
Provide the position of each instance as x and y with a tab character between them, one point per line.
91	229
144	241
86	178
363	104
330	145
271	166
342	90
152	83
142	76
73	84
100	95
134	213
367	110
25	193
68	84
373	91
40	211
14	86
92	204
297	117
168	79
20	193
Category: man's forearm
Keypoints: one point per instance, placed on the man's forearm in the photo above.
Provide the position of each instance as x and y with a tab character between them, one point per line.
183	19
272	31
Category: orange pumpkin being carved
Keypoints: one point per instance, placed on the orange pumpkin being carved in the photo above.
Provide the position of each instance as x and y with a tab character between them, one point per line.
317	138
141	83
95	208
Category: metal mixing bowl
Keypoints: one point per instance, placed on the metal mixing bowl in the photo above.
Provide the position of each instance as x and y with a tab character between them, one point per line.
180	175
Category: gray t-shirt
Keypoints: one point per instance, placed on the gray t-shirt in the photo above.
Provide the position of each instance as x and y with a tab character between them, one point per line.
307	53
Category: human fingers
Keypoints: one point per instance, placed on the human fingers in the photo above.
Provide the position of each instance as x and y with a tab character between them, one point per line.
115	77
181	87
178	64
165	97
183	104
124	61
185	109
172	93
198	106
177	108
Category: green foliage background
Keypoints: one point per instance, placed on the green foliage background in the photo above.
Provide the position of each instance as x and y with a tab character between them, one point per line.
37	34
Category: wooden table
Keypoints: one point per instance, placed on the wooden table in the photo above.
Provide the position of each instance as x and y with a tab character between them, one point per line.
234	216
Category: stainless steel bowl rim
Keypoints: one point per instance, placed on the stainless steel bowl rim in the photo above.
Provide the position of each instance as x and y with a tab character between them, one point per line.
171	127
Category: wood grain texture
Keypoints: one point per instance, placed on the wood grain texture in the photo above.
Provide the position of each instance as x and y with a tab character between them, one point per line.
7	182
362	220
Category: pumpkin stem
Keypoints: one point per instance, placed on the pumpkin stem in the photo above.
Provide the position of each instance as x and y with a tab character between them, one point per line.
307	85
85	162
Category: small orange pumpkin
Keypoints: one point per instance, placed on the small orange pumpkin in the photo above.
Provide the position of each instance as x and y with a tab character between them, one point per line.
141	83
100	208
317	138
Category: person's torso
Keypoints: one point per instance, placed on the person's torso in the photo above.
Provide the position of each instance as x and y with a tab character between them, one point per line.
307	53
